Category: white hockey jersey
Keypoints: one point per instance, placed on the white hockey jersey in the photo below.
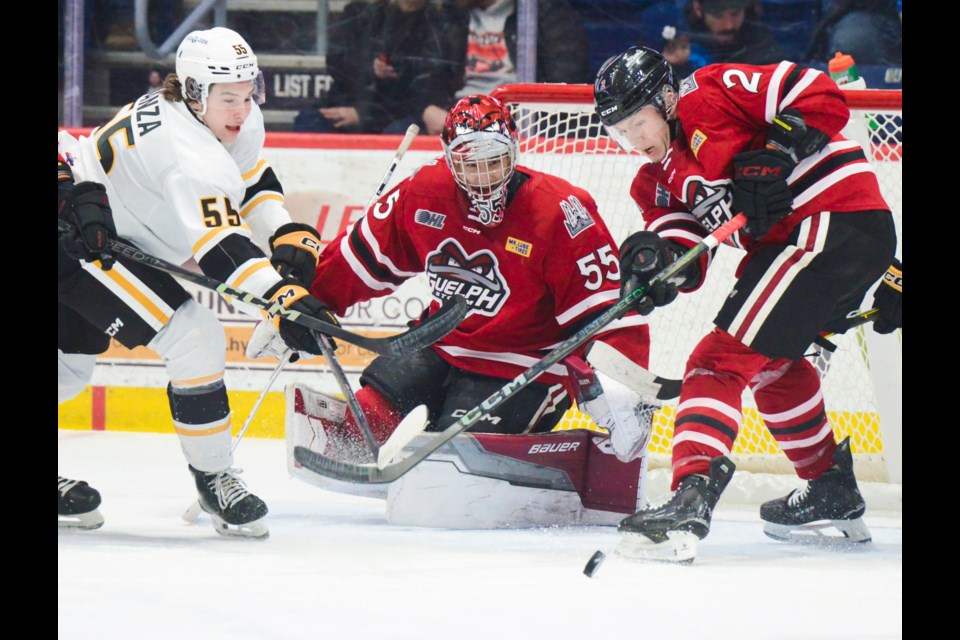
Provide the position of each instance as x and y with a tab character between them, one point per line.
177	192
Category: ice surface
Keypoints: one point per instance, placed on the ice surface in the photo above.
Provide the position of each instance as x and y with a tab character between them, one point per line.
334	569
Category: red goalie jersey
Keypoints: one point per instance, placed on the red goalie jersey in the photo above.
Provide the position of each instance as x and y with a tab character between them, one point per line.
727	108
531	281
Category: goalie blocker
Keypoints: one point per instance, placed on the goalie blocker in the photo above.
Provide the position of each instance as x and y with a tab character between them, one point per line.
482	480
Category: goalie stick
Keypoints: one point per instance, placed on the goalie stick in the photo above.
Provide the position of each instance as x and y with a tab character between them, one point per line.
372	474
402	344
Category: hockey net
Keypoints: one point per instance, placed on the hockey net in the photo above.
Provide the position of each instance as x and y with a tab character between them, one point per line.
559	134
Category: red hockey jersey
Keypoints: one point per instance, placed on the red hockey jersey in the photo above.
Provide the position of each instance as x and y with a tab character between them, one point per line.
727	108
532	281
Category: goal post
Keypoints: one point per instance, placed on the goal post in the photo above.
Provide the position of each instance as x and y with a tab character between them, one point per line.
560	134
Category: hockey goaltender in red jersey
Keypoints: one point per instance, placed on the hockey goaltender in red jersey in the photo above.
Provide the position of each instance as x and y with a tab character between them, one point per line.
535	262
765	141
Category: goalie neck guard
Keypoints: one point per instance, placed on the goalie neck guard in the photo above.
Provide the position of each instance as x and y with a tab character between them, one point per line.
480	145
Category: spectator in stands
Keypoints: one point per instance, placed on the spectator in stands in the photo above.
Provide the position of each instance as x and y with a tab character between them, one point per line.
868	30
730	31
480	50
684	56
376	57
155	78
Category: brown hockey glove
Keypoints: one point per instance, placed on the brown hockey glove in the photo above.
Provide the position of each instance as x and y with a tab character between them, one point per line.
86	207
295	251
294	297
760	189
888	300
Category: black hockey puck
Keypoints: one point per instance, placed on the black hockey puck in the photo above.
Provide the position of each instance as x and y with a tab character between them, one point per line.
594	563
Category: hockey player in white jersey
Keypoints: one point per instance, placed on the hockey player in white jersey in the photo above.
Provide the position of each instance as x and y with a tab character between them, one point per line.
184	177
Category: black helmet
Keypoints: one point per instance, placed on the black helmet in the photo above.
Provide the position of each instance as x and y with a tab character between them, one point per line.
630	81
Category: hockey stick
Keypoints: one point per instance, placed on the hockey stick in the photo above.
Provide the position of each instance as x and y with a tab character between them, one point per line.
193	511
369	474
328	354
408	138
344	385
605	358
402	344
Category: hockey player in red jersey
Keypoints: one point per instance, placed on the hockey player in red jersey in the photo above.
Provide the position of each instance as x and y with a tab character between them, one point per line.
765	141
533	259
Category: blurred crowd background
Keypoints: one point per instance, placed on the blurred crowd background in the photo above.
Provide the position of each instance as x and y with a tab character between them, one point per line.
375	66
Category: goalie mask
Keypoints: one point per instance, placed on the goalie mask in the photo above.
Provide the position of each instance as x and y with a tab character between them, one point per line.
480	144
205	58
627	83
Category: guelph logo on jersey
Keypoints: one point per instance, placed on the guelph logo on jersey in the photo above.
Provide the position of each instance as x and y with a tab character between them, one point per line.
709	202
578	218
476	277
429	218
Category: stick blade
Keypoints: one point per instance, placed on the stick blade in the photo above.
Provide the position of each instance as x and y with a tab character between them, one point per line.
410	427
625	371
449	316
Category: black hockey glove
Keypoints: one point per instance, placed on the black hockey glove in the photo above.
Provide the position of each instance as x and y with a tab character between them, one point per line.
295	251
790	134
888	300
294	297
86	207
642	256
760	188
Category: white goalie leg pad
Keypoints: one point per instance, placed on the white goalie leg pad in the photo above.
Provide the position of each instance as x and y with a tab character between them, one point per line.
74	371
623	412
306	412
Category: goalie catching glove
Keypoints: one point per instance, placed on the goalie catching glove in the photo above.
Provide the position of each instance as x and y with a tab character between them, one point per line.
642	256
888	302
295	336
295	251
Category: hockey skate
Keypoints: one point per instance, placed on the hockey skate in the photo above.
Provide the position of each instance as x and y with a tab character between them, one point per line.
234	510
832	500
77	504
671	531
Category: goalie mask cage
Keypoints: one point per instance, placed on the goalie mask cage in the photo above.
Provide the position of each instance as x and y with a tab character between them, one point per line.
560	135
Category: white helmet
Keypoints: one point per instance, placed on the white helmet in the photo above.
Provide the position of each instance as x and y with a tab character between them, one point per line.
205	58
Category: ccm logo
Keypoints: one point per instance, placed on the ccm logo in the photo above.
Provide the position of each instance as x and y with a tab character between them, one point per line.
610	110
555	447
759	172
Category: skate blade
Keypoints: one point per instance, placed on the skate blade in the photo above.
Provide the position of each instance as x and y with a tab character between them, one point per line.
679	548
256	530
854	533
82	521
